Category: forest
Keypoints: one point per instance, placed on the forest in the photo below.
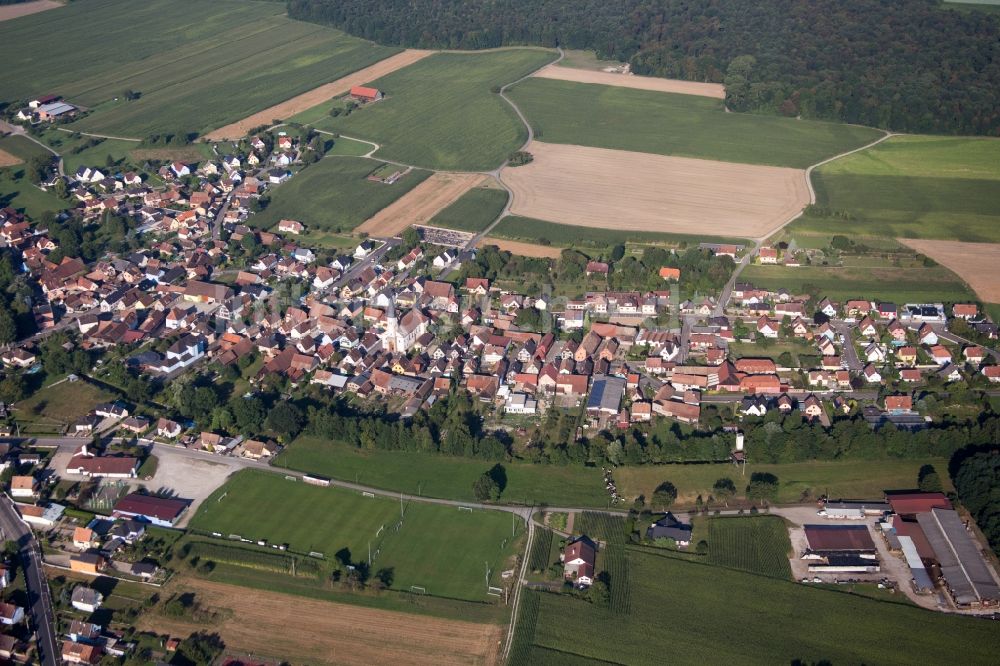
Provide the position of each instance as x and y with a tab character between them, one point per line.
904	65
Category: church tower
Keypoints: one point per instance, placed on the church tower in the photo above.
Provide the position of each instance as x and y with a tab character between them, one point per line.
391	326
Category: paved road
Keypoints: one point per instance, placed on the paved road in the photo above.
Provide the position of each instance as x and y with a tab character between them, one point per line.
39	600
850	351
727	291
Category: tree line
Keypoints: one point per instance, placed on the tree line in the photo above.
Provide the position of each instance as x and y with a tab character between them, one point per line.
905	65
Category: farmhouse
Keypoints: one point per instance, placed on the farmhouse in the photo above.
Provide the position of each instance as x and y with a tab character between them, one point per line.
366	94
578	559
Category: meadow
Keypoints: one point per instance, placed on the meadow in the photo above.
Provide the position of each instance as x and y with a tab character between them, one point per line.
528	229
723	616
442	476
16	189
334	195
674	124
60	404
913	187
441	112
195	65
474	211
437	547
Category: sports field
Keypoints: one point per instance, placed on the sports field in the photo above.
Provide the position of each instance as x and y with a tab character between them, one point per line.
195	65
421	204
439	548
936	187
441	112
597	187
474	211
334	195
716	615
682	125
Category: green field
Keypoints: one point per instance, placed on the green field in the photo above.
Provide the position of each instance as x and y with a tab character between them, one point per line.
670	124
61	403
444	476
440	112
196	65
914	187
691	613
474	210
334	195
514	227
756	544
16	189
436	547
862	479
900	284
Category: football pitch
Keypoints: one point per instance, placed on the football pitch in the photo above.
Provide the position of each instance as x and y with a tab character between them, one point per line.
443	550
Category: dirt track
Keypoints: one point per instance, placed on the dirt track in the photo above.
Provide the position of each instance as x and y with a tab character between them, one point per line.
523	249
325	92
716	90
612	189
8	12
421	203
6	159
300	630
976	263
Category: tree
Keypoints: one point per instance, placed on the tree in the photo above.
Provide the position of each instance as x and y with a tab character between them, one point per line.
8	327
411	237
599	593
486	488
664	495
724	489
763	486
285	419
928	479
248	414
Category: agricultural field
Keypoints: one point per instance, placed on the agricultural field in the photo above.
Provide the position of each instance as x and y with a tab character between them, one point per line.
444	476
421	203
757	544
522	249
842	478
441	112
581	75
257	622
438	548
929	187
8	12
976	263
334	195
680	125
515	227
725	616
596	187
474	211
195	65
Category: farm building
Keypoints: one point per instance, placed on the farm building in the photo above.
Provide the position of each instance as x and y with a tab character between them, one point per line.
578	561
909	504
605	395
366	94
964	570
161	511
854	509
840	549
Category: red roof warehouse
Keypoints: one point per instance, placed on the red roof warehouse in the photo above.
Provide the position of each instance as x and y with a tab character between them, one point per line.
366	94
162	511
839	537
908	504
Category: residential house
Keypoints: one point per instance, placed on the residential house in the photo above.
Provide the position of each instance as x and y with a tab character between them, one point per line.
579	558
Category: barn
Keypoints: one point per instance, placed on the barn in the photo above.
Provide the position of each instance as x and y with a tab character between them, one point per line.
366	94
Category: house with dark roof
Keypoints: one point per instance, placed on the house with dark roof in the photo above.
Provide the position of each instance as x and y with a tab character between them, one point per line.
668	527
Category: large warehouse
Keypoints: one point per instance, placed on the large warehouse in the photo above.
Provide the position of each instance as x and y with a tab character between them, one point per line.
840	549
963	567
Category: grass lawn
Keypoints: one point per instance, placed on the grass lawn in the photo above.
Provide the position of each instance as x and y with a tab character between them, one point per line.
440	112
334	195
65	402
474	210
444	476
349	147
97	156
196	65
437	547
861	479
672	124
796	347
900	284
17	192
531	230
914	187
721	616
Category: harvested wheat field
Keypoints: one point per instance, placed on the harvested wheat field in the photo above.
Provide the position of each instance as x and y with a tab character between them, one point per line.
421	203
328	632
523	249
8	12
6	159
976	263
615	189
316	96
716	90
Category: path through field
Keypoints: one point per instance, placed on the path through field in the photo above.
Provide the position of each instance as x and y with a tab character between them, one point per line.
421	203
609	189
561	73
6	159
523	249
317	96
327	632
8	12
976	263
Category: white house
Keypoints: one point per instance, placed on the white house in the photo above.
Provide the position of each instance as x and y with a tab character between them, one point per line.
520	403
86	599
11	614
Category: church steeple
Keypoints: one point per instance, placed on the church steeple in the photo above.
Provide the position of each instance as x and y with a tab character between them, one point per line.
391	325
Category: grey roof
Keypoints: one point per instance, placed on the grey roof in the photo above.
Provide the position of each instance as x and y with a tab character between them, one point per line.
962	563
606	394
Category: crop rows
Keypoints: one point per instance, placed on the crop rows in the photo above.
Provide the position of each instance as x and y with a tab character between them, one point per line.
616	565
603	527
524	633
538	560
756	544
241	557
